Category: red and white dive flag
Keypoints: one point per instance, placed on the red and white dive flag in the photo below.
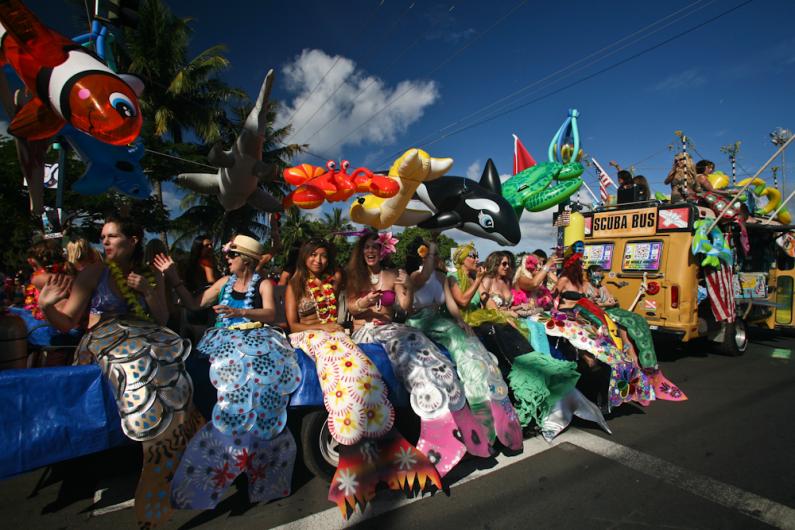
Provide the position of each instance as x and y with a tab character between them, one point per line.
521	158
604	182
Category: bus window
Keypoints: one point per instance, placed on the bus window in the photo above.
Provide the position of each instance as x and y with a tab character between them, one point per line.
642	256
598	254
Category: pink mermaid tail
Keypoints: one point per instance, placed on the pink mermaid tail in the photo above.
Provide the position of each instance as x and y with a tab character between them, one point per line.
663	387
506	423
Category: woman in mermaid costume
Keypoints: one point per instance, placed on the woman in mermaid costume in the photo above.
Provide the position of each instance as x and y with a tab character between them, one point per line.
635	335
435	313
448	428
538	381
143	359
254	369
360	417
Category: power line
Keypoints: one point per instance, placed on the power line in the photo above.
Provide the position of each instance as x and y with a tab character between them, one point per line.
555	75
592	75
434	70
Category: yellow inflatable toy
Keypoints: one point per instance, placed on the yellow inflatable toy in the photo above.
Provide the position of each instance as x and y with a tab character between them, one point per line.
410	170
773	196
718	179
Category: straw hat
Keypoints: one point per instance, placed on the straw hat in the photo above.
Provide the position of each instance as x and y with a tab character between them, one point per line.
248	246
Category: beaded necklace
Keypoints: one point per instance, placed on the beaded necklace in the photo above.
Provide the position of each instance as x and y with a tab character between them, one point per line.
324	297
248	302
132	300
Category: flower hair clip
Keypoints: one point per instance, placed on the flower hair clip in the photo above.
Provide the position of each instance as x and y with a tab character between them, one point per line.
574	258
387	244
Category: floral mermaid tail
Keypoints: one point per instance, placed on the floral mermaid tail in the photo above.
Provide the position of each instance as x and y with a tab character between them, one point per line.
390	459
484	387
627	380
213	460
145	365
354	392
361	419
255	371
538	382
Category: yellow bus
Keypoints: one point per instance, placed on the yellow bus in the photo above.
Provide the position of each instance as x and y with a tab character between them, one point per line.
649	267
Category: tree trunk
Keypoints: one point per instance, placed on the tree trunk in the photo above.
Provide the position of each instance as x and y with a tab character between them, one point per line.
159	192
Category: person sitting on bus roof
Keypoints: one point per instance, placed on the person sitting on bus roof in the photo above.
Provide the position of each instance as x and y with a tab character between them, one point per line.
683	181
627	191
642	185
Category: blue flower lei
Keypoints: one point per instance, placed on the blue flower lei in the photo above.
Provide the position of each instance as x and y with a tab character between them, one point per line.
248	303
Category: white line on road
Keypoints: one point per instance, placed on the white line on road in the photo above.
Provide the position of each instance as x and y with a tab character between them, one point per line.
731	497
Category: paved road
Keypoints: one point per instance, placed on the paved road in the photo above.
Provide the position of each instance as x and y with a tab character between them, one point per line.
723	459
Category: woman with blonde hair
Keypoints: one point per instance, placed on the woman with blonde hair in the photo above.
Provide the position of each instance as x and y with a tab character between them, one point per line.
80	254
684	179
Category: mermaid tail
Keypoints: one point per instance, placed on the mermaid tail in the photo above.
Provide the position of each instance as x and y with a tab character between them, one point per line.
213	460
390	459
484	387
638	330
361	419
506	423
354	393
663	388
475	435
436	392
538	382
627	380
572	404
161	458
145	365
255	371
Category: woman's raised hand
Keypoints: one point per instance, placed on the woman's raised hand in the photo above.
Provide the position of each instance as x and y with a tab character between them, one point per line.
166	265
56	289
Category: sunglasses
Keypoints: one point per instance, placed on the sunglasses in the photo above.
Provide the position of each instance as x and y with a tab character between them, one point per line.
473	255
231	254
505	264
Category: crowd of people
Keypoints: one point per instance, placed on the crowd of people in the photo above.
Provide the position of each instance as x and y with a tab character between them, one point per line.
488	351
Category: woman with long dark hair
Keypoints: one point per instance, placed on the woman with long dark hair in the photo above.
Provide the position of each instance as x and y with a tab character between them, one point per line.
360	417
143	359
437	395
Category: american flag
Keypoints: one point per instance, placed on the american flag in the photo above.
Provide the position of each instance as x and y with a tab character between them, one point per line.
604	182
562	219
721	292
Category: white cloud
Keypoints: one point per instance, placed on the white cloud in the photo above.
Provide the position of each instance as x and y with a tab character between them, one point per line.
348	97
690	78
475	170
537	232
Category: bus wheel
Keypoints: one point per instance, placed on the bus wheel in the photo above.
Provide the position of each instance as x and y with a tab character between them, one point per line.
735	338
318	447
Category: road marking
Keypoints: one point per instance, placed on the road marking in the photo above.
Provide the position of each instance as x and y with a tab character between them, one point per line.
731	497
736	499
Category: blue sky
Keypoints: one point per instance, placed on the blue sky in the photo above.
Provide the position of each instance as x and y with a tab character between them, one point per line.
427	66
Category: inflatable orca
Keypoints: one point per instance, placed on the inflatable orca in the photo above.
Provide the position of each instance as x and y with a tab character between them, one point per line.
477	208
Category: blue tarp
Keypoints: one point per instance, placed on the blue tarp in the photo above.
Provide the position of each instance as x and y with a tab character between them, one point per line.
54	414
40	333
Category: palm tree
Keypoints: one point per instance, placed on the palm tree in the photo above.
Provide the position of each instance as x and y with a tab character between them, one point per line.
181	94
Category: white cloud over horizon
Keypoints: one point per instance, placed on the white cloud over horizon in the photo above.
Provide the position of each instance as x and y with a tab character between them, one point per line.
349	97
690	78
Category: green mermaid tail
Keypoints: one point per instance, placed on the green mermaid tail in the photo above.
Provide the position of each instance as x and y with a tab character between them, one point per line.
638	330
538	382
